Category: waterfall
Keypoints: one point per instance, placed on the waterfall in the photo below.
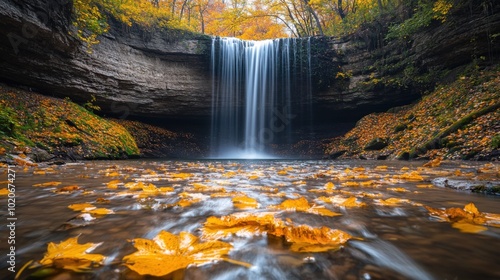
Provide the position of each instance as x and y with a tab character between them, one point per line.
256	86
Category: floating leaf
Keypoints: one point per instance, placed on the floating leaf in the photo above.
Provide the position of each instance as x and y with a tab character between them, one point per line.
320	210
392	201
167	253
69	254
329	186
300	204
48	184
99	211
304	238
181	176
244	202
113	184
398	189
308	239
412	176
4	191
352	202
68	189
468	227
81	206
350	184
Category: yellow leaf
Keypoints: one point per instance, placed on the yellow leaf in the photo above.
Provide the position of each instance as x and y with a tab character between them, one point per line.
322	211
112	174
427	186
181	175
4	191
48	184
352	202
350	184
166	189
167	253
300	204
81	206
99	211
468	227
398	189
68	189
69	254
329	186
304	238
113	184
471	208
244	202
135	185
393	201
282	172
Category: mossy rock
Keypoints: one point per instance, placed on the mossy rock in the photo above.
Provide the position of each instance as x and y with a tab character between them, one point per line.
376	144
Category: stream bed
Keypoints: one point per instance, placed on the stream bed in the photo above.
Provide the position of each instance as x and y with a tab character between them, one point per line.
404	239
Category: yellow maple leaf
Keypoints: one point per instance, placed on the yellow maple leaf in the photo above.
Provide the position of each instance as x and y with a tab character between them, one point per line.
167	253
69	254
81	206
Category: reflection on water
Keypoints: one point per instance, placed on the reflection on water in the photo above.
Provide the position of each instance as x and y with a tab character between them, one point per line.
392	242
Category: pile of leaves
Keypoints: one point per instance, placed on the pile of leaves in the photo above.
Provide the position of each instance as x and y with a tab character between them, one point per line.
59	127
457	121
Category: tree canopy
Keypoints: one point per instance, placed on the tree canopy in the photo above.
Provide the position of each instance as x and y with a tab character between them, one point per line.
257	19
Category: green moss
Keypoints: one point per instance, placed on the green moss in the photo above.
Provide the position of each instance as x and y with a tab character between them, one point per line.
495	141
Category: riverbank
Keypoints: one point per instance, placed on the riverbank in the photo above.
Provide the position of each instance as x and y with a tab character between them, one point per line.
458	121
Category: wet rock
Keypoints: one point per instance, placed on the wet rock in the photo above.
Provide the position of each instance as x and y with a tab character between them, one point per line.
486	187
376	144
40	155
336	154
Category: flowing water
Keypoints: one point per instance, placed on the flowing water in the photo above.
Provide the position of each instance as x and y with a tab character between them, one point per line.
261	94
391	242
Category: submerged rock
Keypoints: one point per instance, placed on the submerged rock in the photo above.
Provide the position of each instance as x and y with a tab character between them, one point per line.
486	187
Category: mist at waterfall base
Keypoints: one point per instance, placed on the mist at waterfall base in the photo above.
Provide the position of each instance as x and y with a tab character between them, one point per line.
261	96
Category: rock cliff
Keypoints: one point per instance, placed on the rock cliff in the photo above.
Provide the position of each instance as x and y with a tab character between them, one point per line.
130	72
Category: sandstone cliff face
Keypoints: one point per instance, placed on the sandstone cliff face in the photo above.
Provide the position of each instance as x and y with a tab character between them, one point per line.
139	73
166	74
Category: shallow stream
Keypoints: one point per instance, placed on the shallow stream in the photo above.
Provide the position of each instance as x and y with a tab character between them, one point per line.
401	241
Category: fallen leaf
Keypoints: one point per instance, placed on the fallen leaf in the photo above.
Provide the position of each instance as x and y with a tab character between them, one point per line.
99	211
4	191
468	227
81	206
245	202
167	253
69	254
48	184
304	238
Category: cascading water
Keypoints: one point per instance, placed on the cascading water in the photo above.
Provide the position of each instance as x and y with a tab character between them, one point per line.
256	86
